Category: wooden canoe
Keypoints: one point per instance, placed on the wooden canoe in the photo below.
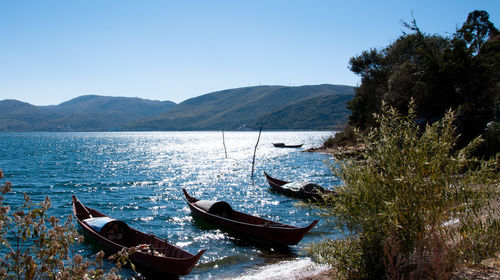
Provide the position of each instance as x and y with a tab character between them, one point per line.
221	214
282	145
152	253
311	192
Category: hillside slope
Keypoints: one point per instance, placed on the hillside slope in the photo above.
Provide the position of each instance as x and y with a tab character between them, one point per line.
280	107
235	108
21	116
84	113
323	112
106	104
101	113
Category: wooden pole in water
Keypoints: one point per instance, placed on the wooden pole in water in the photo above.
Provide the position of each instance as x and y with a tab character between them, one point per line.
224	143
255	150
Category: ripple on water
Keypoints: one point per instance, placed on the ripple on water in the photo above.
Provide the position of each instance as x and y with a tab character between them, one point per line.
138	177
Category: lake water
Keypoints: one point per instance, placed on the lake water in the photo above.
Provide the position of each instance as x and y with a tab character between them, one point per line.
137	177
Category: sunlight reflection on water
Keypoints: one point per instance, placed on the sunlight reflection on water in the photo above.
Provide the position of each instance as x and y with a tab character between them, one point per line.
138	177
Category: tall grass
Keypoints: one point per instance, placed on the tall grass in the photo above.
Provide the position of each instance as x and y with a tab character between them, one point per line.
415	208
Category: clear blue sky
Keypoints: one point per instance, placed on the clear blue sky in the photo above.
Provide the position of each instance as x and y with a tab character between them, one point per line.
52	51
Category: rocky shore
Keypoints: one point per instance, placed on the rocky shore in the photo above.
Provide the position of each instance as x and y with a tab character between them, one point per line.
350	151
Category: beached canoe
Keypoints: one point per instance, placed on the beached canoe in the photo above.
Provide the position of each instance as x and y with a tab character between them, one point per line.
298	189
152	253
283	145
221	214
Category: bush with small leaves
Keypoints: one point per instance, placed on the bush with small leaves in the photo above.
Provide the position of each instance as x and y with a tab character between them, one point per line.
35	246
413	203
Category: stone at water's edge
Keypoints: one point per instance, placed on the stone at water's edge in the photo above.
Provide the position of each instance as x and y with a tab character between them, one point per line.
352	151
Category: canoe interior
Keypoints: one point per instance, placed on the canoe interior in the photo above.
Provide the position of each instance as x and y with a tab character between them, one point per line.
248	225
130	237
241	217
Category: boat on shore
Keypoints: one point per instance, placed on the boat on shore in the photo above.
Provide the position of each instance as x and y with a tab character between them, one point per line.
283	145
220	213
152	253
302	190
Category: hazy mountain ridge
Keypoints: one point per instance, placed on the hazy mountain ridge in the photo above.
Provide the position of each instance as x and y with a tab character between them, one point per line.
239	108
16	115
107	104
83	113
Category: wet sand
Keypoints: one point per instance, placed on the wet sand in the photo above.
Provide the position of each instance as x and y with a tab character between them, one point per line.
299	269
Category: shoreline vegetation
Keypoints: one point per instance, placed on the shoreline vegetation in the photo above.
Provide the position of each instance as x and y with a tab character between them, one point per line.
419	161
339	152
479	218
488	268
37	246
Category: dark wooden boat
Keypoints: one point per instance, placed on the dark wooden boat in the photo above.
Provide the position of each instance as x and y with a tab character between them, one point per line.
301	190
221	214
152	253
282	145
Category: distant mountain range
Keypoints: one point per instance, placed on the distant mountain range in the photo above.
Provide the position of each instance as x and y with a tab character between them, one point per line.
84	113
275	107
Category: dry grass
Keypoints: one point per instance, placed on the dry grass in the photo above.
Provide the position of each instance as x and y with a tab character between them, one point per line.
488	269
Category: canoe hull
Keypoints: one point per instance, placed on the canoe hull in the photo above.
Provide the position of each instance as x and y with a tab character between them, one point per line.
282	145
181	265
262	229
276	185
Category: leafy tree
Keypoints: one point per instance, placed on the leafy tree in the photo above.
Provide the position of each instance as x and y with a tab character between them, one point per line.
371	67
438	73
476	30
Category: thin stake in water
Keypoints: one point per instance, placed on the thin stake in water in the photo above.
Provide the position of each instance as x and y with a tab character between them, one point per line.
255	150
224	143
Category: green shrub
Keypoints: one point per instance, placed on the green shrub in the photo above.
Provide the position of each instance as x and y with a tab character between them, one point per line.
343	255
491	144
345	137
412	203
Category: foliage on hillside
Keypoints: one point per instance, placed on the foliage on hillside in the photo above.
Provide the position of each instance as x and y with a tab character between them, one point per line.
324	112
461	72
414	208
